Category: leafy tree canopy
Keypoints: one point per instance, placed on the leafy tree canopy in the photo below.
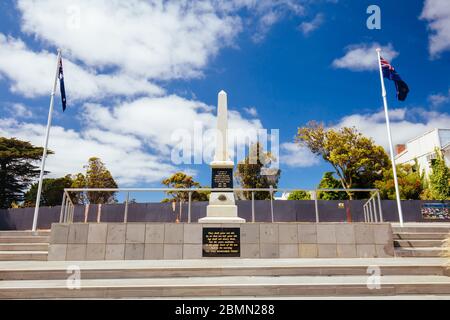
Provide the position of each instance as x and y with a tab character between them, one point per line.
18	169
182	180
97	176
356	159
299	195
255	171
410	181
330	182
439	180
52	192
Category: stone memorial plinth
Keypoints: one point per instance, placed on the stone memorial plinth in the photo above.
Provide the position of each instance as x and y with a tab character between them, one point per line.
172	241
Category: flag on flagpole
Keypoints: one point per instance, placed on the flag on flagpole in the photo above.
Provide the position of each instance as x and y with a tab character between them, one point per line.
390	73
61	85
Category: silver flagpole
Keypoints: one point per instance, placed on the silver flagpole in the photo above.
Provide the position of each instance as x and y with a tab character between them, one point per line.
391	148
44	153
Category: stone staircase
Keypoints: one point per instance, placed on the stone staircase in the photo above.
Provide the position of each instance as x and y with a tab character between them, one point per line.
219	278
415	272
420	240
24	245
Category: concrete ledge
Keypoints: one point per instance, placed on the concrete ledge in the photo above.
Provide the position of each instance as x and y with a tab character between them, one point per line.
168	241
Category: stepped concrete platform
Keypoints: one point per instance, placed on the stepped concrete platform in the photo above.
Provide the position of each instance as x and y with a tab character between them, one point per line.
205	268
418	243
230	277
24	245
19	233
23	255
420	239
226	286
419	252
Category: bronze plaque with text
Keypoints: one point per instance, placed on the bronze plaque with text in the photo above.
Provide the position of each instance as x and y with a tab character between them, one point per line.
222	178
221	242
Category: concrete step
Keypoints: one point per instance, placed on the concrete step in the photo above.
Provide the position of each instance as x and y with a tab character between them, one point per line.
13	233
425	228
24	239
226	286
23	247
418	243
57	270
23	255
419	235
419	252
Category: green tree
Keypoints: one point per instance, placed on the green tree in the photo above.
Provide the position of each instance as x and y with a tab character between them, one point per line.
330	182
299	195
52	191
255	172
182	180
17	169
78	182
97	176
356	159
410	181
439	180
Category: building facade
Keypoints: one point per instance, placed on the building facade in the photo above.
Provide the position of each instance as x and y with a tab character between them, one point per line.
423	149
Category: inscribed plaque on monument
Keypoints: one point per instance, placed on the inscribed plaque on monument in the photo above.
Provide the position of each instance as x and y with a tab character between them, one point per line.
222	178
221	242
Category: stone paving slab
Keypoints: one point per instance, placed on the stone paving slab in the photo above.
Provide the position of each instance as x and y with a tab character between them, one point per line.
230	281
222	263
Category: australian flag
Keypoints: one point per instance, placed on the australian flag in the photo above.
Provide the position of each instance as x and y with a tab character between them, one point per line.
390	73
61	85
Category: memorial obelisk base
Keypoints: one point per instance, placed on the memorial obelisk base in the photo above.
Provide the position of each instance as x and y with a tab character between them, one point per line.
222	207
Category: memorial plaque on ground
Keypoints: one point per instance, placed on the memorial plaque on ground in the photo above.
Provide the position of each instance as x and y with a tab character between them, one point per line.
221	242
222	178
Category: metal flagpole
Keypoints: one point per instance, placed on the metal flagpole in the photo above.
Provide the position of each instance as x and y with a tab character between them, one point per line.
44	153
391	148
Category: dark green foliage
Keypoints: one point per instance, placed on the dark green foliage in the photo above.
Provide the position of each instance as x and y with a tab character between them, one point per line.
52	192
255	172
18	169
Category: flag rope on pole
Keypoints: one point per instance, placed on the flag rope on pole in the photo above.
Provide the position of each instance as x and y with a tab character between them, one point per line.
391	148
44	153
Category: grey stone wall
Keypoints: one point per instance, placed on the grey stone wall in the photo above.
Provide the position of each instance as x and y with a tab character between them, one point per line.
151	241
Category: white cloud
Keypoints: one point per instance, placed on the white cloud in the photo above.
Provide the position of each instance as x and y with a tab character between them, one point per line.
112	48
437	13
123	156
17	110
31	74
439	99
309	26
405	124
134	138
251	111
154	120
363	57
294	155
263	13
155	39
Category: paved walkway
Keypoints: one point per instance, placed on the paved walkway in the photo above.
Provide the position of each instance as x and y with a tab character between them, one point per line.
222	263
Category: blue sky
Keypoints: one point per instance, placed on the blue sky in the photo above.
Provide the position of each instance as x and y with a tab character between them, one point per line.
137	73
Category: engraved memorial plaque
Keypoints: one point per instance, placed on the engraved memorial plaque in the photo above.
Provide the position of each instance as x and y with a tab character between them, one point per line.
222	178
221	242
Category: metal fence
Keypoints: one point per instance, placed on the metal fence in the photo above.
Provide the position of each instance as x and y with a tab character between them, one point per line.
372	208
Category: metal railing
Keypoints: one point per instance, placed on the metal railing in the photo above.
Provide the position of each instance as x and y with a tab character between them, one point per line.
372	208
371	213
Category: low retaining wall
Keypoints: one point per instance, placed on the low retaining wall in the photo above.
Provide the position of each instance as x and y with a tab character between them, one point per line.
151	241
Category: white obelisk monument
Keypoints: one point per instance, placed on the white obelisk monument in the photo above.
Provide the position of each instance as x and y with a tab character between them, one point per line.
222	207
